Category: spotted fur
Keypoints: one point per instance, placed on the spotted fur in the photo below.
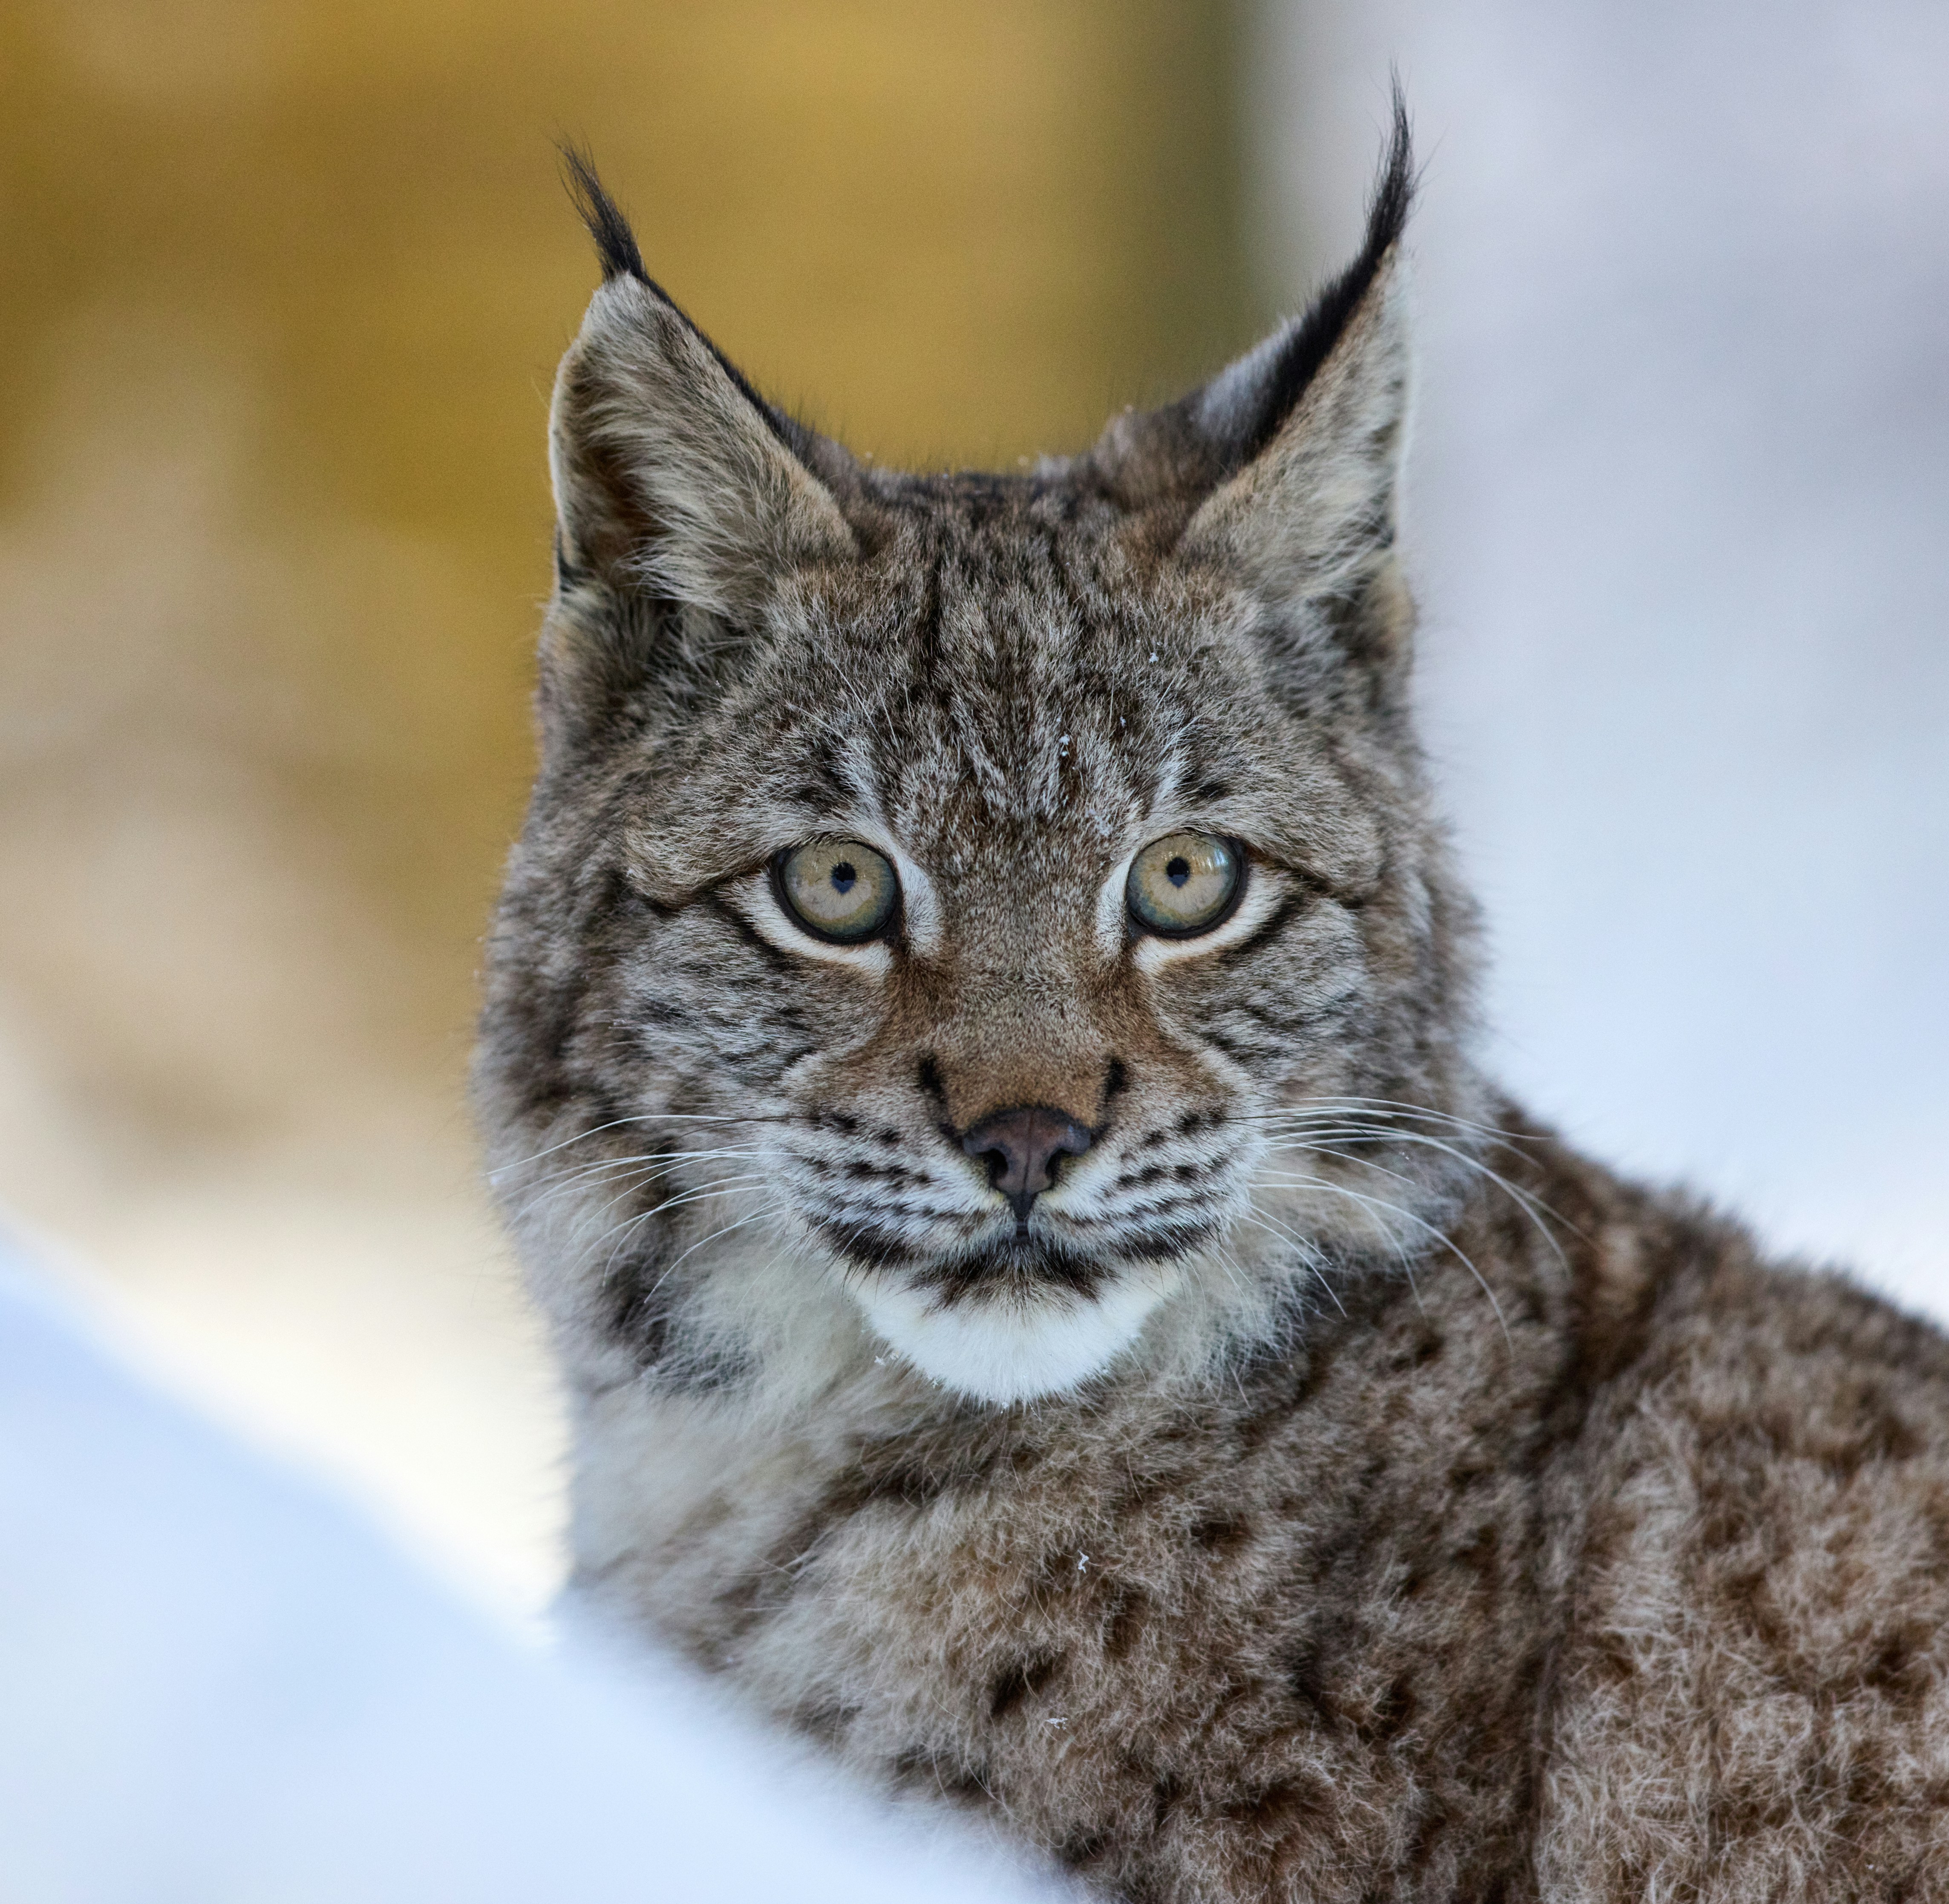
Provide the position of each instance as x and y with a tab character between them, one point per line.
1338	1489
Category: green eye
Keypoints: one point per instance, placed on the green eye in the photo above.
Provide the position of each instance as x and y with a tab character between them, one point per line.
1183	884
838	889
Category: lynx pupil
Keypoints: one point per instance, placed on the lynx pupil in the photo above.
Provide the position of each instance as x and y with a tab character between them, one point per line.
843	877
1179	871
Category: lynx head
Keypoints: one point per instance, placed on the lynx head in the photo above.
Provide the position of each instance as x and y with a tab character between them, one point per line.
1000	912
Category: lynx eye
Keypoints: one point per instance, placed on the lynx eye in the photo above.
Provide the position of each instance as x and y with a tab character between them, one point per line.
837	889
1183	884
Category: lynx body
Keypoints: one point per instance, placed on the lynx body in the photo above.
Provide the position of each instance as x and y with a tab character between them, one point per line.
1120	1369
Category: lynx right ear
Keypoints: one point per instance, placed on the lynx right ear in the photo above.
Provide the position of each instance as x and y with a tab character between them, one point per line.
1284	468
672	476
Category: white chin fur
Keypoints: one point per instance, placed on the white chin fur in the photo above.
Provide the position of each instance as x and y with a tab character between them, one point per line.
1008	1349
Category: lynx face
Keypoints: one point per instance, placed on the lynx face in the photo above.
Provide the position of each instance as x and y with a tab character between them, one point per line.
1007	901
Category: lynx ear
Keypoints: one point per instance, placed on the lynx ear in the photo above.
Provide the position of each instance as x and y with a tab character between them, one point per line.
672	476
1287	463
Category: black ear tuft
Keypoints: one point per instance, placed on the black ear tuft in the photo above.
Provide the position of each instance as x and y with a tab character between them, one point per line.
1307	347
615	246
615	243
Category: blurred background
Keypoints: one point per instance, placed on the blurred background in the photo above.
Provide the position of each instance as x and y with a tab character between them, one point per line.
284	284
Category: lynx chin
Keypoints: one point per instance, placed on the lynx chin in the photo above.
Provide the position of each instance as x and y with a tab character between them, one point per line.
979	1059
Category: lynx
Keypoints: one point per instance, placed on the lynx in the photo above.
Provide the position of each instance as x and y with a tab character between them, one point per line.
979	1062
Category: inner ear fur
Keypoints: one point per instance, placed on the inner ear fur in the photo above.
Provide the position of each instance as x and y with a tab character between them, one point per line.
668	475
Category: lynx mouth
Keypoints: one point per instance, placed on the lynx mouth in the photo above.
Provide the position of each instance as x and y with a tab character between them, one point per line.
989	1265
1005	1318
1016	1319
1026	1264
1011	1265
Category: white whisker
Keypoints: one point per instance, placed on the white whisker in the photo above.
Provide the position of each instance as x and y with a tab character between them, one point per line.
1422	1223
644	1117
608	1169
1308	1254
1531	1206
723	1187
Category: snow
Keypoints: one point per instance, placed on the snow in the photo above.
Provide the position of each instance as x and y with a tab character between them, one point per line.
220	1684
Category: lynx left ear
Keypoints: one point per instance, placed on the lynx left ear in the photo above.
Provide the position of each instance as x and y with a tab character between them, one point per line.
672	476
1288	463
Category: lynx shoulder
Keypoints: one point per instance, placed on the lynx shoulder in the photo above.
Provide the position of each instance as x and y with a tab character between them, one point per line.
979	1062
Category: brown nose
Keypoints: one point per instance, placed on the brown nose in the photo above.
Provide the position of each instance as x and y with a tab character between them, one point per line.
1023	1146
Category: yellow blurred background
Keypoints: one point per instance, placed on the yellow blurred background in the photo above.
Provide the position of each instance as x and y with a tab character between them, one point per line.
284	284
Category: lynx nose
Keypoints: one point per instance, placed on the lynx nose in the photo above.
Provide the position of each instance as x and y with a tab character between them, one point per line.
1022	1146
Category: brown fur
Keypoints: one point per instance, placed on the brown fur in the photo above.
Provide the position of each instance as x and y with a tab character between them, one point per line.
1342	1489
